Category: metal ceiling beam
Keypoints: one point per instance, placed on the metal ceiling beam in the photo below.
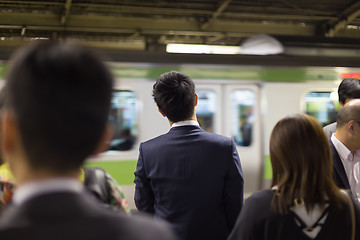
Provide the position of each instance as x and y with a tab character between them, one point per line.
347	16
221	7
66	13
292	5
175	9
111	24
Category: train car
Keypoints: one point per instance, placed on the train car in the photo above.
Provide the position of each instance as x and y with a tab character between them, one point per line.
236	101
241	102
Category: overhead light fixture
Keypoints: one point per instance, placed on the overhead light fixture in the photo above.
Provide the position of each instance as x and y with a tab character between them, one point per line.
202	49
261	44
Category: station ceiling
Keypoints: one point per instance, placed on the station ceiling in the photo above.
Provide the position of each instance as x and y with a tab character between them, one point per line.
150	24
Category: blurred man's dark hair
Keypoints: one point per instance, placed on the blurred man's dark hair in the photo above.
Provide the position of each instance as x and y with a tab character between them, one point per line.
60	106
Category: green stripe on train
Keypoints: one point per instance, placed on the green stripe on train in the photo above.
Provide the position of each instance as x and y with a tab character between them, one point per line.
222	73
267	168
121	171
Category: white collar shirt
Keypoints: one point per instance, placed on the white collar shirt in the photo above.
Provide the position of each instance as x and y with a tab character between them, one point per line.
351	163
185	123
36	188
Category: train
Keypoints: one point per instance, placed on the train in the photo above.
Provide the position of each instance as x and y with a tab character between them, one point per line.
241	102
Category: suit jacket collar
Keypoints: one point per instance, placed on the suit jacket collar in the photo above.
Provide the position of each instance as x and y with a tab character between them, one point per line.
340	176
184	129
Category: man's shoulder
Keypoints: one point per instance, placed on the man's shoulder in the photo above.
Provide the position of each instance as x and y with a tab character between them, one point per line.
154	140
261	196
330	129
330	126
196	133
116	228
19	221
150	227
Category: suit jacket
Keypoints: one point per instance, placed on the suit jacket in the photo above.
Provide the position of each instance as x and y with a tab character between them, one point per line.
330	129
339	173
74	216
193	179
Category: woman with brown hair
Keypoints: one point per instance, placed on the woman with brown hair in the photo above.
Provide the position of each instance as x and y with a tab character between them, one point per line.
304	202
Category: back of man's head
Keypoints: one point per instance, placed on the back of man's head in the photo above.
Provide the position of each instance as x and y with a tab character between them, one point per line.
174	94
60	97
350	111
349	88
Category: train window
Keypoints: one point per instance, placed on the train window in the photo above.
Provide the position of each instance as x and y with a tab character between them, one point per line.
242	119
124	120
323	106
205	110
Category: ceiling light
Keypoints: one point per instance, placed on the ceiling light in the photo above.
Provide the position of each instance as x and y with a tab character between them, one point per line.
202	49
261	44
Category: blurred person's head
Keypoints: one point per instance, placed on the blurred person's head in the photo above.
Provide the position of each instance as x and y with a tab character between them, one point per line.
348	125
174	94
349	88
302	164
58	100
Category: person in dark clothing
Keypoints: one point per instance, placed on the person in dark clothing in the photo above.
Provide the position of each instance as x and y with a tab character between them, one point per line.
189	177
56	113
349	89
345	147
304	202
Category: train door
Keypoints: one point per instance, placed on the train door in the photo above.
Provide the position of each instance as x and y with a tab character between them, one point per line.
233	110
209	110
243	123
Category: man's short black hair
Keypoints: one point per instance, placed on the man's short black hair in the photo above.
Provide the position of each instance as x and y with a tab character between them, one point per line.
174	94
349	88
60	95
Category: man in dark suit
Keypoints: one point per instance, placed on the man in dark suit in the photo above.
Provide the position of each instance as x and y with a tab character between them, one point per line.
189	177
56	111
345	146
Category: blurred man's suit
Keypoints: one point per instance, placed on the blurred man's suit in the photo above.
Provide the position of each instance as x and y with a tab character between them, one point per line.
339	173
193	179
73	215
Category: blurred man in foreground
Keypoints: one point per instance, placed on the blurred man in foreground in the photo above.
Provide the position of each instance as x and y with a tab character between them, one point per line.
55	116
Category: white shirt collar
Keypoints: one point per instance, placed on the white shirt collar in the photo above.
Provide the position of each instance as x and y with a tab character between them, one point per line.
36	188
344	153
185	123
342	150
351	165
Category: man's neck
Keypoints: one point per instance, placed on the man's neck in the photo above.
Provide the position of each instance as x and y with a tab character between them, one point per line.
42	174
344	140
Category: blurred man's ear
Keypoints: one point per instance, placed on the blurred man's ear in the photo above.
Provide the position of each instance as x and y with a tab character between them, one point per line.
12	150
105	140
8	132
196	99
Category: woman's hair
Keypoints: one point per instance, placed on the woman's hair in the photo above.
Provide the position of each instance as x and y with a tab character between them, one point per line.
301	164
